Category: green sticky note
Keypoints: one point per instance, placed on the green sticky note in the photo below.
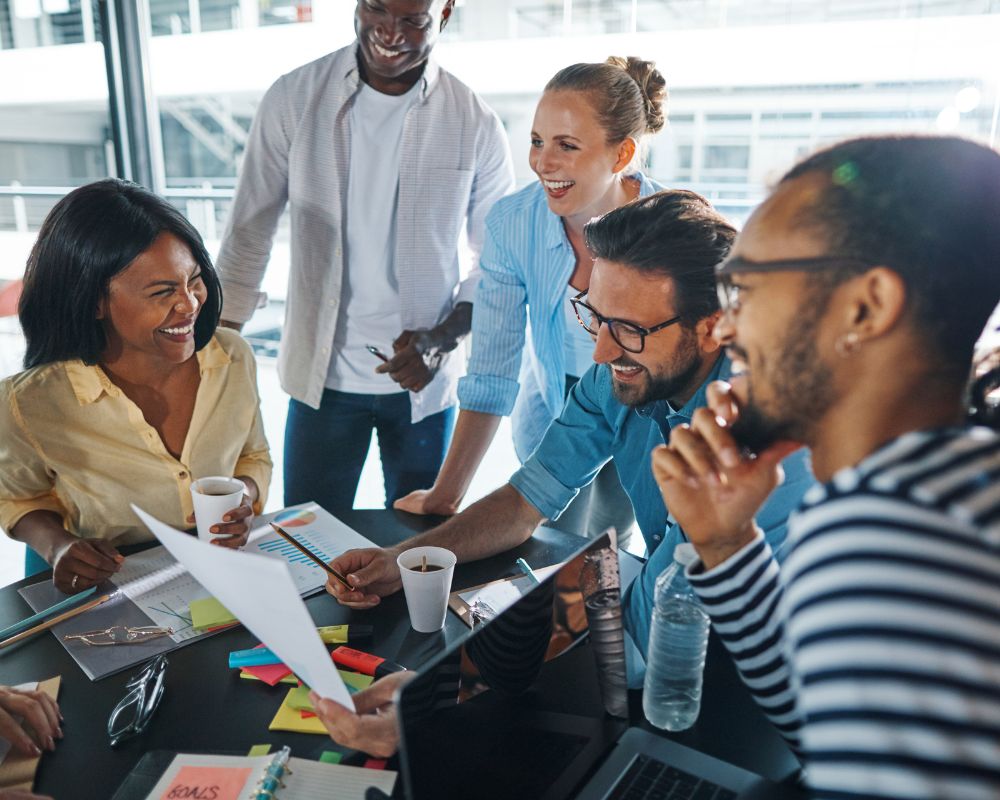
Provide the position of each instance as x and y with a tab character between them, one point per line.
329	757
259	750
355	681
298	698
210	613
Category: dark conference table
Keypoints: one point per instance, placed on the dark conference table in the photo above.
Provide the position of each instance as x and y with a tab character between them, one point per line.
207	707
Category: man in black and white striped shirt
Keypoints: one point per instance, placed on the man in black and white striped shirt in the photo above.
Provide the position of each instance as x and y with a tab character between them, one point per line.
852	301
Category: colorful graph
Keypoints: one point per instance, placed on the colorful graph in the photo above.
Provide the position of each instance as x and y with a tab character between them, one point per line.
295	518
283	549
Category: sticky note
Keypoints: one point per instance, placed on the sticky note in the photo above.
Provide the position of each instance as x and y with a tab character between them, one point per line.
289	678
290	719
219	783
259	750
330	757
210	613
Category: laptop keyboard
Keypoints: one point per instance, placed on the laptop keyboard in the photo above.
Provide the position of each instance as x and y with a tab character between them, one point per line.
650	779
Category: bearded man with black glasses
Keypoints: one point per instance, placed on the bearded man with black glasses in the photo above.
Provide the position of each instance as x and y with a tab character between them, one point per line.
651	307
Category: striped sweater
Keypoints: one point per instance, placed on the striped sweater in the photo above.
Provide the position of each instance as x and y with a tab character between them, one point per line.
876	652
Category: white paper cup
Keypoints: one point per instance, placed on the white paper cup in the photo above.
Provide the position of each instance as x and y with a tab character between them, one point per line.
427	592
212	497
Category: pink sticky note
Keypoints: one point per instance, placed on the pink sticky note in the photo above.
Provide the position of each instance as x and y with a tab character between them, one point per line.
219	783
269	673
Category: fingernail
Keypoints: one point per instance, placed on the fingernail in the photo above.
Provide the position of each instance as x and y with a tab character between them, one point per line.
713	479
227	518
693	483
730	457
59	733
35	751
50	743
214	529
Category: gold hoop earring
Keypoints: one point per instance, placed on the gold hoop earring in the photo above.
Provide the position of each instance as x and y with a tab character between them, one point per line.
847	345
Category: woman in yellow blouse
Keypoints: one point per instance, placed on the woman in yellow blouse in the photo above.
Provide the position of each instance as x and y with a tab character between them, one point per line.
129	392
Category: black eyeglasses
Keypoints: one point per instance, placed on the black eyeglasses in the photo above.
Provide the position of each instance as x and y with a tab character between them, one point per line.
729	293
628	335
132	715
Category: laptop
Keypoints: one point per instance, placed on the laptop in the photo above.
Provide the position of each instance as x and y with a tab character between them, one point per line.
517	710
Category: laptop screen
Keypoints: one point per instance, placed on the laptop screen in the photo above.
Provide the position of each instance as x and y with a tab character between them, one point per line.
517	709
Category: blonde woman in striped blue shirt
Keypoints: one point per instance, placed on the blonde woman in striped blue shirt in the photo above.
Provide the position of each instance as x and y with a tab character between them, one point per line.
586	148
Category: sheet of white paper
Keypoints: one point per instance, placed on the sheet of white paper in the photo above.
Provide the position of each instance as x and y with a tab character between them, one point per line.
262	595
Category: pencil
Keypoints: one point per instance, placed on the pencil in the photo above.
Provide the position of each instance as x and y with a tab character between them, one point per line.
56	620
310	555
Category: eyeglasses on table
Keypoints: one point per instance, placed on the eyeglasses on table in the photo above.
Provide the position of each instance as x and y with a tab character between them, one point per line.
144	691
119	634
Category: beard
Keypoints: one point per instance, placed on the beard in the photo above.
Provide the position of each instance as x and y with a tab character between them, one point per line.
801	385
675	380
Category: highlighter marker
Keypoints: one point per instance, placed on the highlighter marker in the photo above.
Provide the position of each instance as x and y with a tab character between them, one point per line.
365	663
342	634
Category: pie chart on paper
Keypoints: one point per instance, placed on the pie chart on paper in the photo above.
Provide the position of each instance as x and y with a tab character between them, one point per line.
295	518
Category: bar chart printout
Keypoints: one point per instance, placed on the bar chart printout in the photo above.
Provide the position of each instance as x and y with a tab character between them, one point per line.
318	531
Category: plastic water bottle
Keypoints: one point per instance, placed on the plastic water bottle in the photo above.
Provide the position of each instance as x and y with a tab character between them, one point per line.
678	638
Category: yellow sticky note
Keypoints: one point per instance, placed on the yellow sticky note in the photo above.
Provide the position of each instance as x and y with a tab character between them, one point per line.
289	719
259	750
210	613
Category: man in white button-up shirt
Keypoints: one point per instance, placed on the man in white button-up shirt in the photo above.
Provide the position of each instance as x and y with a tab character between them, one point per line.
381	156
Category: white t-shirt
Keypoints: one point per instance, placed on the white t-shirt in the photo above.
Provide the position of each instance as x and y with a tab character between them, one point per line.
369	309
578	343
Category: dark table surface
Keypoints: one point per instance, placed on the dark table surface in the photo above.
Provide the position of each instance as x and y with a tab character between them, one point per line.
207	707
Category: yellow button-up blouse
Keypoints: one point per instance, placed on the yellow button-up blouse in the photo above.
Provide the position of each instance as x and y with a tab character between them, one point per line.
72	442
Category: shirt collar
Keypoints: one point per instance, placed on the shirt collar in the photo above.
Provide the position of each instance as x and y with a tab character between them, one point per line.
720	372
428	80
89	382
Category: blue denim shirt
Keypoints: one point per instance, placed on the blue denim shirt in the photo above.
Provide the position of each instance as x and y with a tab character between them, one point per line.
526	264
593	428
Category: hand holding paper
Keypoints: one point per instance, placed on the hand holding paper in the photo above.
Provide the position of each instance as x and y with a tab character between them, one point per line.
272	611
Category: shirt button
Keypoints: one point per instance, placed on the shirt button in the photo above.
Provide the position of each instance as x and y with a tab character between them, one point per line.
182	474
657	537
325	351
332	303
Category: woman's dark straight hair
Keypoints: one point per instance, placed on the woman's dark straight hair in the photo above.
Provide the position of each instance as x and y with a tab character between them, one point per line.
90	236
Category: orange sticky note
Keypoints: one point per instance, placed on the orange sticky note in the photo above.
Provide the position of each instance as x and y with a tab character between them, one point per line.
219	783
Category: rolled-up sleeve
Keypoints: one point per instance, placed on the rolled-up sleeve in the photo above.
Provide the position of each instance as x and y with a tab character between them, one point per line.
571	453
26	484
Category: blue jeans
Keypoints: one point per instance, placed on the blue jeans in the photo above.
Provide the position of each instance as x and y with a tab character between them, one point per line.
325	448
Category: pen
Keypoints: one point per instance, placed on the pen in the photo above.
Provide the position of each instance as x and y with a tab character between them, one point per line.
523	566
56	620
376	352
364	662
24	624
311	556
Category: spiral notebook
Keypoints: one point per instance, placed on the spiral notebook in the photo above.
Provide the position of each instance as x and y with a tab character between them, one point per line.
238	777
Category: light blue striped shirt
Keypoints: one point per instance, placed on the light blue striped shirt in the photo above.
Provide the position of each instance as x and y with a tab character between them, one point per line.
526	264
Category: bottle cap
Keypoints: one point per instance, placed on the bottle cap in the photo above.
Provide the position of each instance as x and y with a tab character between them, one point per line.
685	553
